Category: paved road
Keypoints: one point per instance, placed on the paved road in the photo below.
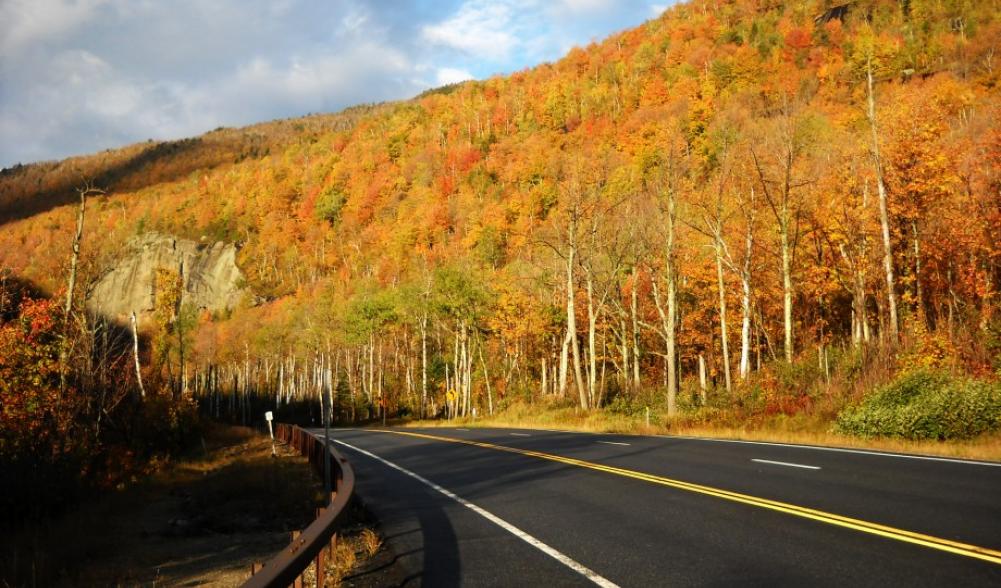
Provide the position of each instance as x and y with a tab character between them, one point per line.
518	507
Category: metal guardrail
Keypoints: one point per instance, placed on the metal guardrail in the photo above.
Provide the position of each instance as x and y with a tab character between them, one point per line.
316	543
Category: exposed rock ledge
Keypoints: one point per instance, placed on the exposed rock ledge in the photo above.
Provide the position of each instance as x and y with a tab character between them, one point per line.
212	281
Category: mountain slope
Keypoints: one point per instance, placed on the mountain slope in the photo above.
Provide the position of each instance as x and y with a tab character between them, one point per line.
751	112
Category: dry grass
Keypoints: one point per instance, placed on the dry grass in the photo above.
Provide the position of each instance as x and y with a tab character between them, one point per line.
808	429
345	559
987	447
355	550
370	541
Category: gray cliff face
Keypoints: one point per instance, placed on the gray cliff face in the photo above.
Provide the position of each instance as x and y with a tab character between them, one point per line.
212	281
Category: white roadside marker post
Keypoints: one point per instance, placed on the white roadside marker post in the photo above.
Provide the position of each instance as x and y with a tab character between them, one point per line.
269	417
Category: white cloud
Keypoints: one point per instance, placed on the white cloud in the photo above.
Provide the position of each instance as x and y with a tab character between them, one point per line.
148	80
480	28
77	66
587	5
311	83
78	76
452	75
657	9
26	22
354	21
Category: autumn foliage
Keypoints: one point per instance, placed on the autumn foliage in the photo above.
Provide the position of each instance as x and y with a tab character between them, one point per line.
508	238
59	439
36	417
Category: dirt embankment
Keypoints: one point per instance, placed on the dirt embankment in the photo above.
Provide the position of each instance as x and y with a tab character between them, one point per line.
203	520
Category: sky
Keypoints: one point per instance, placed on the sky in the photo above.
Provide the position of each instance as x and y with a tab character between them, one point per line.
79	76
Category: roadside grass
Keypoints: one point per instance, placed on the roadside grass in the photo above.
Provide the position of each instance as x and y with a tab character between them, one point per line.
202	519
797	403
808	428
359	557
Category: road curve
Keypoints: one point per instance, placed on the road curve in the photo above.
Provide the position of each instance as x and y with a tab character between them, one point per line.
521	507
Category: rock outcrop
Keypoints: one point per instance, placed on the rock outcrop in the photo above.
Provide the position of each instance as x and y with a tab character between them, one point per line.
211	278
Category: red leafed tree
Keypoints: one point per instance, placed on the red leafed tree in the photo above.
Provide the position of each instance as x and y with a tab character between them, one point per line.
32	410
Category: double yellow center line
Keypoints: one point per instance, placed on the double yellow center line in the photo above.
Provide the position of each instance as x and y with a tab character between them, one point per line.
929	541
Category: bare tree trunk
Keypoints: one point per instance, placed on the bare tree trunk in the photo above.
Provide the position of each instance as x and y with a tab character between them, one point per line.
349	368
592	321
624	352
884	215
787	291
135	355
702	378
371	367
919	299
424	365
564	363
636	333
860	302
449	396
486	376
571	313
745	329
70	289
469	372
456	373
246	383
464	380
383	403
745	300
672	311
782	210
408	371
601	382
545	384
179	322
669	315
279	394
721	286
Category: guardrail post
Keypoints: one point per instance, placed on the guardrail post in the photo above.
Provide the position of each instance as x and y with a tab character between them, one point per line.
297	583
321	570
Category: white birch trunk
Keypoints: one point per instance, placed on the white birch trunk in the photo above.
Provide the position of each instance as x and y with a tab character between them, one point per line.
884	215
721	286
135	355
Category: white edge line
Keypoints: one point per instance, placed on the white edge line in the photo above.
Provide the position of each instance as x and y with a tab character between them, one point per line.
837	450
614	443
521	434
558	556
462	429
785	463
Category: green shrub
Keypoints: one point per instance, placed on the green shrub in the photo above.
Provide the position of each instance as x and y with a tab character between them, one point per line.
926	404
625	405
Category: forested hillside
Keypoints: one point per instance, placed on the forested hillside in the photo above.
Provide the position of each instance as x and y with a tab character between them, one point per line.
736	211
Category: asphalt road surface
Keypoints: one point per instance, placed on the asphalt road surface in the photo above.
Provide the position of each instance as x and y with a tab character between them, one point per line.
520	507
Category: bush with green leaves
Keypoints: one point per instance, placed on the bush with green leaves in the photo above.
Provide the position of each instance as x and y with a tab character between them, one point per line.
926	404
